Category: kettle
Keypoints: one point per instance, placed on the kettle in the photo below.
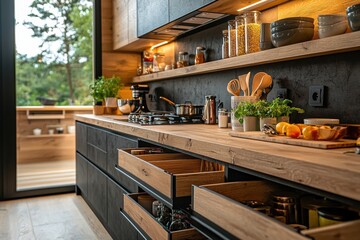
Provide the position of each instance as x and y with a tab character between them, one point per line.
209	115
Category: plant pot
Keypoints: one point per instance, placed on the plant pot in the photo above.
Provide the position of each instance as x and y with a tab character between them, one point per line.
98	110
250	124
111	102
235	100
269	121
283	119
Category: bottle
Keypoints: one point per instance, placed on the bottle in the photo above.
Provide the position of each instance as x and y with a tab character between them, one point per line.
209	115
232	38
183	60
200	55
225	44
240	35
252	31
223	117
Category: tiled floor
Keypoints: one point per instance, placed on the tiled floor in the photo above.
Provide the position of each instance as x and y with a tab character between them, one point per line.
64	216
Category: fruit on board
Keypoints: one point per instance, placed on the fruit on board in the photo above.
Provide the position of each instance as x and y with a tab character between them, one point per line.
310	132
326	133
301	126
293	131
340	132
280	127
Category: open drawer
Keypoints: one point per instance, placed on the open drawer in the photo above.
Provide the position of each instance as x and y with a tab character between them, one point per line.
171	174
239	221
138	211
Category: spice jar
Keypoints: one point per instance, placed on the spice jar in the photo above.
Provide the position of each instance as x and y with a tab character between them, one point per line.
225	44
240	35
232	38
223	117
183	60
147	62
252	31
200	55
158	62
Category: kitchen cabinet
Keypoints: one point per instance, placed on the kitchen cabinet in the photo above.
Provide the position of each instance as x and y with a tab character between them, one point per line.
178	9
81	174
125	37
151	15
96	140
81	139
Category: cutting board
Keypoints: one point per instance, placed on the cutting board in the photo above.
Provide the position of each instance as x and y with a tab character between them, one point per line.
257	135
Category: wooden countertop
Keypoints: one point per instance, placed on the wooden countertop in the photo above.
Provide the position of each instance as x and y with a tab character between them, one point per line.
52	108
332	170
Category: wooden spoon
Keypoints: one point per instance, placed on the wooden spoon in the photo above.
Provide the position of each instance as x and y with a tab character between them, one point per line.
247	80
256	82
234	87
265	82
242	80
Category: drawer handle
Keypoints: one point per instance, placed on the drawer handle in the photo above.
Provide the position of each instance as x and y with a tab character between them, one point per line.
144	172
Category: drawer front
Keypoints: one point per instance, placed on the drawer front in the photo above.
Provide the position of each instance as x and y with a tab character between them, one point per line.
236	218
245	223
169	173
96	137
150	225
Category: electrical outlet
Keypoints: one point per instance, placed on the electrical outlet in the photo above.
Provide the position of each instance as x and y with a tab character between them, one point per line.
316	96
281	93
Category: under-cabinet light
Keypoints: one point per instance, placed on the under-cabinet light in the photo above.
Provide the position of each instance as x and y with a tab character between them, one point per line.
256	4
158	45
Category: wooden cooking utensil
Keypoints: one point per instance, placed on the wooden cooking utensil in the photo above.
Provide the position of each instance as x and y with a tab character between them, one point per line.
247	80
265	82
256	82
234	87
242	80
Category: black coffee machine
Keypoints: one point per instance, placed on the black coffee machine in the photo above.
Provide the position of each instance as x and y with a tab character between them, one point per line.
139	92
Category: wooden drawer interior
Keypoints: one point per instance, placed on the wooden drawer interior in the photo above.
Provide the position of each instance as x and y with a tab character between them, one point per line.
138	205
245	223
171	174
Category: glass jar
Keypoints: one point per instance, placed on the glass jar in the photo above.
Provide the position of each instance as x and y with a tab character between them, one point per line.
147	62
252	31
158	62
223	117
232	38
183	60
200	55
225	44
240	35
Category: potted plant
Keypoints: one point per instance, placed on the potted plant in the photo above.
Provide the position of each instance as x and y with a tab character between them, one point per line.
281	109
97	93
111	88
246	113
265	113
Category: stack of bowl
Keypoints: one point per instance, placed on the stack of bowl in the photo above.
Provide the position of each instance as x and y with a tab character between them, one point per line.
331	25
291	30
353	15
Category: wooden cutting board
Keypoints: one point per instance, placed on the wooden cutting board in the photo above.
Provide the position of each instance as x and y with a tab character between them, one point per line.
257	135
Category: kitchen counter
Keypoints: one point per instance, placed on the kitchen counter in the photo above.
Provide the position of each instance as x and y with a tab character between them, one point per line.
333	170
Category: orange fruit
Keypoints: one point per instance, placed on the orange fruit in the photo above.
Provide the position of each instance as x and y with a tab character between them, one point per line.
293	131
311	133
280	127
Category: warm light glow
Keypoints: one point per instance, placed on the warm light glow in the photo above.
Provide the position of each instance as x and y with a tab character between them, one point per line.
158	45
254	5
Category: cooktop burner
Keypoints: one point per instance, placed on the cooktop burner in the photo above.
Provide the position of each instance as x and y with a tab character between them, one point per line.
163	118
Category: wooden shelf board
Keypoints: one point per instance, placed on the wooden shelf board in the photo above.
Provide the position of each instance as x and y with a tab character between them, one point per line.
336	44
49	135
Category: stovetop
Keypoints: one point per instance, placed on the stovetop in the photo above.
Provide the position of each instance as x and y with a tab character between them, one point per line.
163	118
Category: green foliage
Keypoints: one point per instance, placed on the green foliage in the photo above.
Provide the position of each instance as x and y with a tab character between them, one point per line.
112	86
280	108
97	90
245	109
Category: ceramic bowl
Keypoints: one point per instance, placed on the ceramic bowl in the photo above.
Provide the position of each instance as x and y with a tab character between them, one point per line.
291	20
291	25
332	30
354	19
291	36
353	8
330	19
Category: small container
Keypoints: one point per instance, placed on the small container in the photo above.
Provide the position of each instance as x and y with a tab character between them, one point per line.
51	131
223	117
200	55
37	131
158	62
225	44
232	38
252	31
59	130
240	35
209	115
183	60
147	62
330	216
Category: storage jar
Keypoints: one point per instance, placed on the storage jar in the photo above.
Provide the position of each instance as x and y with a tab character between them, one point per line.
240	35
252	31
225	44
232	38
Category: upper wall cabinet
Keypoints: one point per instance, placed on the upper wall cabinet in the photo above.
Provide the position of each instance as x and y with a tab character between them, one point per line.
178	9
125	28
151	14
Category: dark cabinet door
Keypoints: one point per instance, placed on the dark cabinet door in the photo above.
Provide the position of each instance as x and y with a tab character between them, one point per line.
97	191
81	138
151	14
181	8
81	174
115	142
96	149
118	225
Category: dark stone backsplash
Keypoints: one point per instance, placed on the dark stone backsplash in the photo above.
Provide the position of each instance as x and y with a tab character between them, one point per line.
339	73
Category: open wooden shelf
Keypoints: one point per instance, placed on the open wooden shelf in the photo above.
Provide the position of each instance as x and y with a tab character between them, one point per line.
56	135
336	44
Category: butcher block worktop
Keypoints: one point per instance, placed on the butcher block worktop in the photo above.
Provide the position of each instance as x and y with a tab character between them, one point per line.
333	170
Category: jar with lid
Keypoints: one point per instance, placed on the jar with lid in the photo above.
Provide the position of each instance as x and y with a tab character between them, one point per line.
252	31
200	55
147	62
183	60
225	44
223	117
240	35
232	38
158	62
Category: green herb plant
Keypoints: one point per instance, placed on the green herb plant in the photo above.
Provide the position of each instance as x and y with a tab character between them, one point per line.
245	109
281	107
111	86
97	91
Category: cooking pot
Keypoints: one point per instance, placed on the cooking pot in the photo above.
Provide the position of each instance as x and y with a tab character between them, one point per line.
185	109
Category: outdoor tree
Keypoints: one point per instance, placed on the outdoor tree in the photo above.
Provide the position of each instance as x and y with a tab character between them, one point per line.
65	52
